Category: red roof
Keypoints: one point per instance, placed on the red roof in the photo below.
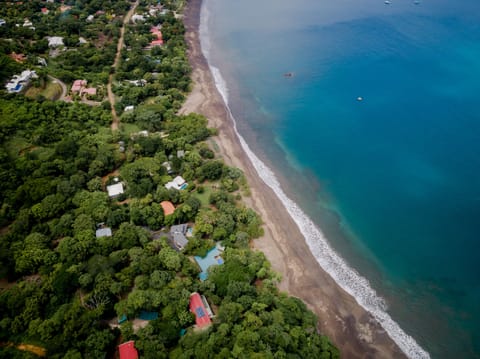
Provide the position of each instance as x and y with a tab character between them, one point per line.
78	85
127	350
196	307
156	43
155	30
168	207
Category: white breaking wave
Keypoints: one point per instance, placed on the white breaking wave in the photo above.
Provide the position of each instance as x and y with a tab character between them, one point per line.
347	278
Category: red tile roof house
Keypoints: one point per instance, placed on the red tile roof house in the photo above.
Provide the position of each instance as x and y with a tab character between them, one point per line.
202	317
168	207
78	85
127	350
90	91
155	30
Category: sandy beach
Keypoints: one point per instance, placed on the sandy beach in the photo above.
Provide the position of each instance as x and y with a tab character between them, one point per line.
349	326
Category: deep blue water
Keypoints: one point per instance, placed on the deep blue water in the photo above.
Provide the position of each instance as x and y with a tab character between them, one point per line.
393	180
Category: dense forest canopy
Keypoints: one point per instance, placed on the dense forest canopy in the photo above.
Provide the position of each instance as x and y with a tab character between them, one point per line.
79	268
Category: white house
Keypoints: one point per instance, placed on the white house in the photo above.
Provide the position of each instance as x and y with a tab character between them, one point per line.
55	41
90	18
29	24
2	22
115	189
177	183
18	82
140	82
103	232
138	18
129	108
42	61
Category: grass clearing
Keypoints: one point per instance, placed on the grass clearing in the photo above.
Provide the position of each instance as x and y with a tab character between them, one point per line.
51	92
129	128
205	196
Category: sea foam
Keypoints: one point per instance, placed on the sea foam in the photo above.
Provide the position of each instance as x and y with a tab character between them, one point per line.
346	277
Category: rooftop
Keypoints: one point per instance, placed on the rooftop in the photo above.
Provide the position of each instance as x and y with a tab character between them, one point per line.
197	307
78	85
127	350
89	91
177	183
168	207
103	232
178	234
55	41
115	189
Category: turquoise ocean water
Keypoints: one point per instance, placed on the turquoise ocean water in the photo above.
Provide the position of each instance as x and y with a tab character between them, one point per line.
393	180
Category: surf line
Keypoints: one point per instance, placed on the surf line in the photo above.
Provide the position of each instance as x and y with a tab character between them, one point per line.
346	277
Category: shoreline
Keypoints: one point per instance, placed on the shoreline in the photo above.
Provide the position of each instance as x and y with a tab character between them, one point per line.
350	327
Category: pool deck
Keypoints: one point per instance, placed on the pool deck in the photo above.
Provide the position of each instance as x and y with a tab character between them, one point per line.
212	258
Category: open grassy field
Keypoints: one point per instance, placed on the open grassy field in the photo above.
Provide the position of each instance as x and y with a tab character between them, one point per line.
51	92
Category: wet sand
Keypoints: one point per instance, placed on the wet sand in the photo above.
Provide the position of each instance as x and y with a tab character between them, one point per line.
350	327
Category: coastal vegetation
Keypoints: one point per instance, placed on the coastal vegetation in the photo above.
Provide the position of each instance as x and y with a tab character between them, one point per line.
68	290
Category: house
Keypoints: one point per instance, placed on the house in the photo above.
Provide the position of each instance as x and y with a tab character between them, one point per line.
128	108
90	18
17	57
55	41
42	61
178	234
212	258
158	42
178	183
180	153
197	307
137	18
103	232
82	41
90	91
115	190
168	207
2	22
155	30
78	85
18	82
168	167
140	82
29	24
45	11
127	350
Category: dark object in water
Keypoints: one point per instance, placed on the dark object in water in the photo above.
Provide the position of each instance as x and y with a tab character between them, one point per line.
288	74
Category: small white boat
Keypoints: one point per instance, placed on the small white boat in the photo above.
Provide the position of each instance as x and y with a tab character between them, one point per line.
359	98
387	2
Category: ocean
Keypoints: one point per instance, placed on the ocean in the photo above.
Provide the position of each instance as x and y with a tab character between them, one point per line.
364	118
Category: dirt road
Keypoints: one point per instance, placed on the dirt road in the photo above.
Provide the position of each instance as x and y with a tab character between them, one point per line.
111	95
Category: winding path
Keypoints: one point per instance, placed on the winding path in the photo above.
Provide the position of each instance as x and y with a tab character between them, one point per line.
62	85
111	95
